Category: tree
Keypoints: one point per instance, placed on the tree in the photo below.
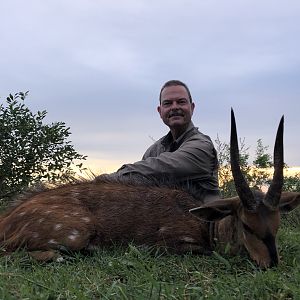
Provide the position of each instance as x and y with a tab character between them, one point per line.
262	159
257	175
31	151
226	183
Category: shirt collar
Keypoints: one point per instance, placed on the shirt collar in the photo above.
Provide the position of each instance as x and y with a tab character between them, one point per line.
168	139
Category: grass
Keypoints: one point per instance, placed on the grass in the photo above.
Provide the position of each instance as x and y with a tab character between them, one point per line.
137	273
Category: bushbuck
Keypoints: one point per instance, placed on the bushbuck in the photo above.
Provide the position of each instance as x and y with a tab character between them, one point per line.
102	212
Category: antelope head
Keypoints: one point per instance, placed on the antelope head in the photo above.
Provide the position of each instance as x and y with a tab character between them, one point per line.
258	213
251	220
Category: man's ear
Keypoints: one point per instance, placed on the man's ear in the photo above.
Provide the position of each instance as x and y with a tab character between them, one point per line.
289	201
158	109
217	209
193	106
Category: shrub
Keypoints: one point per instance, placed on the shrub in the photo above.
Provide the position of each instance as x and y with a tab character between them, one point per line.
258	174
31	151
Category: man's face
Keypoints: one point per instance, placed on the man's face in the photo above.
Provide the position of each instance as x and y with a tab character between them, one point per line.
175	108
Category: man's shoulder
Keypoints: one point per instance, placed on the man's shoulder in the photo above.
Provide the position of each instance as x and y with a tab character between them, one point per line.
193	137
201	136
198	136
155	148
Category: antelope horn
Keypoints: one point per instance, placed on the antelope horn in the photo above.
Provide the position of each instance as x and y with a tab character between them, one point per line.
274	192
242	188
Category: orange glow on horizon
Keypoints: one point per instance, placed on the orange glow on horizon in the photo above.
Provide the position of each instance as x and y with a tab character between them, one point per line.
101	166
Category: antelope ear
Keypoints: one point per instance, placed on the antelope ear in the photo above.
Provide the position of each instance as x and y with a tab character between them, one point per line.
217	209
289	201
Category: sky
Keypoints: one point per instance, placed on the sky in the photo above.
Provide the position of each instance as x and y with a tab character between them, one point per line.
98	66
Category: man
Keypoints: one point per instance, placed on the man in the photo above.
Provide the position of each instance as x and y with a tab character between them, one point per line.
185	156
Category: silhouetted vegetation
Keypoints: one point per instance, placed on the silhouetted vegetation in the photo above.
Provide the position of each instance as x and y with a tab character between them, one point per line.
258	173
30	150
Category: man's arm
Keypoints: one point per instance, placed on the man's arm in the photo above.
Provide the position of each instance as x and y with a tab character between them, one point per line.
194	158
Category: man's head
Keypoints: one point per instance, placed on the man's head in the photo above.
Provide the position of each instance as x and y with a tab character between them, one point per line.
176	106
175	82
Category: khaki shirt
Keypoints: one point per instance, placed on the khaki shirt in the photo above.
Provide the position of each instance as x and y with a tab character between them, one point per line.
191	161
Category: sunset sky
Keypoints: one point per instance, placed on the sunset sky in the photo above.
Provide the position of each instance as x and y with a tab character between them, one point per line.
99	65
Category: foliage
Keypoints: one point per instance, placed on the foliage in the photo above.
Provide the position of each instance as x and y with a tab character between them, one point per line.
31	151
254	176
257	174
292	183
263	159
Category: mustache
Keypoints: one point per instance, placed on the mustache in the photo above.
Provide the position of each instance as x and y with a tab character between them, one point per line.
176	113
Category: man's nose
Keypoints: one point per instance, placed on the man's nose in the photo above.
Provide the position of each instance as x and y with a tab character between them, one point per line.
174	105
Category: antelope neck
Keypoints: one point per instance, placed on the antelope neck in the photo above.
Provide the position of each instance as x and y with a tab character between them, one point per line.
221	234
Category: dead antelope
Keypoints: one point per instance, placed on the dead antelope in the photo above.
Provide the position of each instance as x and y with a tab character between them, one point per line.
102	212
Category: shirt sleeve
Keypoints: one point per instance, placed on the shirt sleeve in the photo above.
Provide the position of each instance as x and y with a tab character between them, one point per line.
193	158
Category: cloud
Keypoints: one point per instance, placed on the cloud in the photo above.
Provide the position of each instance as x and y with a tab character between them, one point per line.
99	66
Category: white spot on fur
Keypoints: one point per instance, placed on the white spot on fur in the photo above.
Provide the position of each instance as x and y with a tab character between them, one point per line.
163	229
54	206
34	210
188	239
75	232
58	226
52	241
66	216
59	259
47	212
86	219
35	235
75	213
74	235
41	220
22	213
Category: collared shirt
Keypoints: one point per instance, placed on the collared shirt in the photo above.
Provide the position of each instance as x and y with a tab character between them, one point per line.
190	160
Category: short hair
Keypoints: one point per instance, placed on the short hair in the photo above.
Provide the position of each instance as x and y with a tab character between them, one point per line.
175	82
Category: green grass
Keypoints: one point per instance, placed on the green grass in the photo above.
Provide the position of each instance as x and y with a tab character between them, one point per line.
137	273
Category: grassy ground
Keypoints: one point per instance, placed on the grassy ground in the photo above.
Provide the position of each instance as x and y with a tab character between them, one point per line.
134	273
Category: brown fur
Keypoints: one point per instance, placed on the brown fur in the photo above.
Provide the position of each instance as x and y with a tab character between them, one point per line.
88	215
99	213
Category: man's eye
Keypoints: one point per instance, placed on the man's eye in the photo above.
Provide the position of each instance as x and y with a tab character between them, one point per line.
182	101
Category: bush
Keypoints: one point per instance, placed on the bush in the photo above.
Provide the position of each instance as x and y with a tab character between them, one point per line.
257	174
31	151
292	183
